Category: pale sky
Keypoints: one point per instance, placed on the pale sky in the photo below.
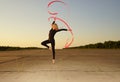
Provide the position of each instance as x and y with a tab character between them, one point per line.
25	23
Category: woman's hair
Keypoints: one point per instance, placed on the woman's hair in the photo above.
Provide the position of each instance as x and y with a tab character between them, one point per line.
55	26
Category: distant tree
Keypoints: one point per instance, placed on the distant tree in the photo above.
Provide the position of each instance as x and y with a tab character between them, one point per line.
99	45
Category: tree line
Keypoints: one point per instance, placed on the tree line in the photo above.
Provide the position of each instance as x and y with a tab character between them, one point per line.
105	45
9	48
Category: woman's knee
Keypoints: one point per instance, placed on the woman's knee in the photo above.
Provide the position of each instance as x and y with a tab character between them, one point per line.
42	43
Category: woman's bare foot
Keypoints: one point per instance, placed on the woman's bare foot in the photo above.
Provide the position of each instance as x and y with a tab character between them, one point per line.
53	61
50	48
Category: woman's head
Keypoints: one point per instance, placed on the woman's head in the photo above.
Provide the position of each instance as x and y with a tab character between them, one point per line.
55	26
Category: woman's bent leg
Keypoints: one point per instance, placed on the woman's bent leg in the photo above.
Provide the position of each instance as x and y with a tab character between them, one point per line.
44	43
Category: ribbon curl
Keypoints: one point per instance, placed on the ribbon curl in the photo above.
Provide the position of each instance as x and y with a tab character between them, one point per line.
50	3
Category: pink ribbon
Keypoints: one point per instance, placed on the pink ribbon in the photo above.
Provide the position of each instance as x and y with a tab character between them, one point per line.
60	19
50	3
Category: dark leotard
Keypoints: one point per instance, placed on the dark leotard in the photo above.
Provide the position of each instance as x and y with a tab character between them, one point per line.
51	40
53	32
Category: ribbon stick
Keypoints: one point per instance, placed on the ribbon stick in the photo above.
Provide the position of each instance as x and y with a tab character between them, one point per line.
61	20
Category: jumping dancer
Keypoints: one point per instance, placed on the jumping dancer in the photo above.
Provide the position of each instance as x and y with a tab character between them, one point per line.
52	32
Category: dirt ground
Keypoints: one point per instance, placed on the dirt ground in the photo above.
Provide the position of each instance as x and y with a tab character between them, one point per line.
72	65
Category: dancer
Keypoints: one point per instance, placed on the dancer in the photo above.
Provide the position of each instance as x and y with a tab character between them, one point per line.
52	32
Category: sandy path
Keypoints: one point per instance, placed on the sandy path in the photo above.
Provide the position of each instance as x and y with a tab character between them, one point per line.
83	65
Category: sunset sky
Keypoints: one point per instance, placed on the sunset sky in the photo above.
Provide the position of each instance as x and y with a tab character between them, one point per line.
25	23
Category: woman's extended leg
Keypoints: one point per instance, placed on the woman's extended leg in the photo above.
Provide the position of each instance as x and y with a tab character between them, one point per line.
44	43
53	50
